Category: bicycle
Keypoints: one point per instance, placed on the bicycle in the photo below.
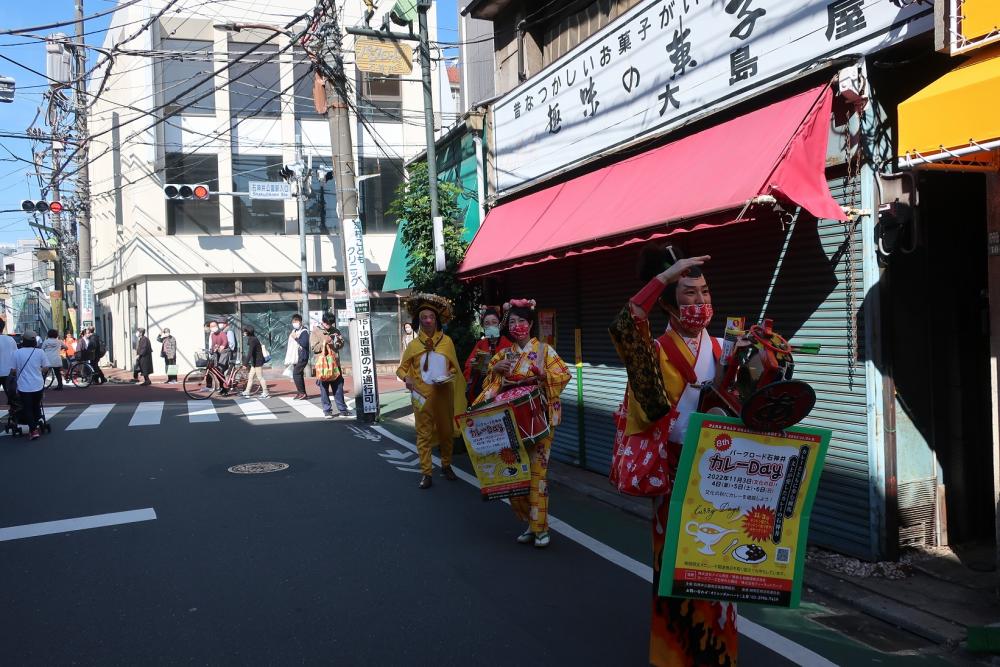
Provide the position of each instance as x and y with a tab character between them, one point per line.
196	382
81	374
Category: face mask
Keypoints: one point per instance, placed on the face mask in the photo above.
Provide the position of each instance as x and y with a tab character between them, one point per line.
520	330
296	325
695	316
492	331
213	329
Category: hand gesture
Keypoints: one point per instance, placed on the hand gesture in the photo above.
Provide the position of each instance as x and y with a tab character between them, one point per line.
503	367
679	269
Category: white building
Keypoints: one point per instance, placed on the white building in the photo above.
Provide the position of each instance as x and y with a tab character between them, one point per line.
159	263
25	284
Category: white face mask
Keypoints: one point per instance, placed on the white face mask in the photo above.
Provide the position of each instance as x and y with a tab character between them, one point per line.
213	329
296	325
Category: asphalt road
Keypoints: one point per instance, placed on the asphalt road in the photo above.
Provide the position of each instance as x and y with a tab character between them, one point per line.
339	559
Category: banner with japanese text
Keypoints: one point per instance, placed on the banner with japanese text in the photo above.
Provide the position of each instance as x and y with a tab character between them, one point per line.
496	452
666	63
739	512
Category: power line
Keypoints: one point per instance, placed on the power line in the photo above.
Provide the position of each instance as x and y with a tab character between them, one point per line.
49	26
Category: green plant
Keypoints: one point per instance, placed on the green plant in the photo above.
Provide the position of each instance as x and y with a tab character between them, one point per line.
413	204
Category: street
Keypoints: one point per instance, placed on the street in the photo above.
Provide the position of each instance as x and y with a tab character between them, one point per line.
339	559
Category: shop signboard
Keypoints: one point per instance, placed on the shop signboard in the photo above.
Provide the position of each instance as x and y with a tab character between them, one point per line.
666	63
739	512
963	25
382	56
496	451
356	269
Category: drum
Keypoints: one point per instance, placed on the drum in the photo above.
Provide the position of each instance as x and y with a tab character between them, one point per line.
758	387
530	412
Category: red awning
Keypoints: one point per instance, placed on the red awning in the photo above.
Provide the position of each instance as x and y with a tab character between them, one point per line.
688	184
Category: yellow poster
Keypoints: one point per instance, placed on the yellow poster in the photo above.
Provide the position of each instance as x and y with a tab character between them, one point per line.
739	512
496	451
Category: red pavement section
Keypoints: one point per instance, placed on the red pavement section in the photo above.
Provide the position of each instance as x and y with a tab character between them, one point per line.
120	390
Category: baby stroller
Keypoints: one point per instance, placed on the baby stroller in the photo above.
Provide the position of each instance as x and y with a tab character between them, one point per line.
15	411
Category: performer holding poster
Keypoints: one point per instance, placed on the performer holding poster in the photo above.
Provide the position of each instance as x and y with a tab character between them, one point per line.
529	367
664	387
430	370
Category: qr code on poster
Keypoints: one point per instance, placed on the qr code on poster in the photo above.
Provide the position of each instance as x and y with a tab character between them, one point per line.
782	555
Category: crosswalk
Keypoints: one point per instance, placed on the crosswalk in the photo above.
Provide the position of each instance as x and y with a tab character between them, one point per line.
156	413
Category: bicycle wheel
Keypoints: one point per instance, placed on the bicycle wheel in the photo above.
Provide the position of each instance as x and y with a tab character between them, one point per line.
81	375
239	383
50	377
195	384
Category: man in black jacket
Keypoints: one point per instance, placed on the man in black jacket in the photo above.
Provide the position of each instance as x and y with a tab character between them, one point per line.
95	351
143	358
254	359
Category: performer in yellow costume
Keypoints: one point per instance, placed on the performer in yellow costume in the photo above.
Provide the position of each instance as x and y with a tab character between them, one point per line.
431	372
530	362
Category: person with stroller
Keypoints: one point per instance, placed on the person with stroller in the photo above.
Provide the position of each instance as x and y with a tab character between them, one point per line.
32	365
54	348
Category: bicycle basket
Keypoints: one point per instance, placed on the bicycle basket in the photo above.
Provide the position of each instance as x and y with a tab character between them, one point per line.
201	359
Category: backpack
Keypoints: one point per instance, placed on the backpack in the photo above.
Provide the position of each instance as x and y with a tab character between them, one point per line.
100	350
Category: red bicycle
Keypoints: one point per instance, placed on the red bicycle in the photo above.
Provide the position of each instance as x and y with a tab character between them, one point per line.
206	380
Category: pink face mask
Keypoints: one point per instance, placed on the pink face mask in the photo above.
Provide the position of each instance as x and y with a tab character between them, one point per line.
520	330
695	316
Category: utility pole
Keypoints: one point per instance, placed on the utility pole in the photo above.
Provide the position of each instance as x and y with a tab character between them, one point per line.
423	6
302	175
363	372
86	296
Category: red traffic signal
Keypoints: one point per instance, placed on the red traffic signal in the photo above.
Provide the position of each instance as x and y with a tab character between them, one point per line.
41	206
185	191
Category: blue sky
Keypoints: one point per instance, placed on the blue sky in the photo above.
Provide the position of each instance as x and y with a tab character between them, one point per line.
15	182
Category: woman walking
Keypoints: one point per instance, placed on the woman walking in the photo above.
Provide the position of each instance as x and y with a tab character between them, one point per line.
54	350
298	341
430	370
529	362
254	359
664	386
477	365
168	351
31	365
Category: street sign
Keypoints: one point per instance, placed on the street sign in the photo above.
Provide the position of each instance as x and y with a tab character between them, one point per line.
86	302
7	86
366	365
270	190
382	56
356	268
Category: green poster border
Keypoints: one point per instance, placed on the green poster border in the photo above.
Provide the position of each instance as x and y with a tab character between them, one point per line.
683	479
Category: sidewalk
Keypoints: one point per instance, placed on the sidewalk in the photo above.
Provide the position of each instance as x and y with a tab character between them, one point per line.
932	594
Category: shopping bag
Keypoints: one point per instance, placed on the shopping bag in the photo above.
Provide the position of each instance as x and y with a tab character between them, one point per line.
267	355
326	369
643	464
288	371
172	370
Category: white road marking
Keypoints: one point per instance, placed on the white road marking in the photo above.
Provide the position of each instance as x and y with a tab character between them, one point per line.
91	417
304	408
201	411
51	412
772	640
147	414
82	523
255	410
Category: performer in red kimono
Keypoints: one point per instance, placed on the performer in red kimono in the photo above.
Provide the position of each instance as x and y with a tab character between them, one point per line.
664	380
477	365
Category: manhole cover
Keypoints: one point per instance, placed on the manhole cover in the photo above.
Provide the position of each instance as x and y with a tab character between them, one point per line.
257	468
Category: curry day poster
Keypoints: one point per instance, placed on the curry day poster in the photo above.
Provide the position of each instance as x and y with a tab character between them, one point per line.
739	512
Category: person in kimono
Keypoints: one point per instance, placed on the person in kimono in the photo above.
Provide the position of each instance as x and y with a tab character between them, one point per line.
430	370
664	388
529	362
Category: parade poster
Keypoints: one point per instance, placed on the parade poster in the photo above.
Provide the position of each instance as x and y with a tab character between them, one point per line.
496	451
739	513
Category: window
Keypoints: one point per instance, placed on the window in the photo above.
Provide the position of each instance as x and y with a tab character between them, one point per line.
192	216
378	193
220	287
253	286
133	311
253	90
319	284
189	64
375	283
303	72
321	203
257	216
284	285
380	98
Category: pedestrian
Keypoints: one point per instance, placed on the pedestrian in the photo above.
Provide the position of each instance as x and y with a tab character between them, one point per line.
254	359
95	352
69	352
430	370
326	341
8	352
530	362
408	334
143	358
298	341
168	351
476	366
219	344
665	377
54	349
32	365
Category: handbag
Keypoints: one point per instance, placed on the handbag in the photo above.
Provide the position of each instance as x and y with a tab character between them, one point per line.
643	464
267	355
326	368
172	369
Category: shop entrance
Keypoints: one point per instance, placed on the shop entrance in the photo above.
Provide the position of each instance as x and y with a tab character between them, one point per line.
938	340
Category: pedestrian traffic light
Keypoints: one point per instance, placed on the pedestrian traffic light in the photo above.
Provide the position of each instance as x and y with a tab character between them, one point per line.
186	191
41	206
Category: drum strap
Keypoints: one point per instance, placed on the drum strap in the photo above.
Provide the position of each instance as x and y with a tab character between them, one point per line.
678	360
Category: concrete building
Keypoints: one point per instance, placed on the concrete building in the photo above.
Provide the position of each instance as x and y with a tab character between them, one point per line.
25	285
159	263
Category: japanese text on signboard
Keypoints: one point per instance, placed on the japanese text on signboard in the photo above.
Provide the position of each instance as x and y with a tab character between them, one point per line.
356	270
366	363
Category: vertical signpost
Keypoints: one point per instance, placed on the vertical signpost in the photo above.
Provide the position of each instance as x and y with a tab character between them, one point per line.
362	349
86	302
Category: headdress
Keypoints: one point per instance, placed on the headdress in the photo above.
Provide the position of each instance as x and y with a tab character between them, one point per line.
519	303
423	301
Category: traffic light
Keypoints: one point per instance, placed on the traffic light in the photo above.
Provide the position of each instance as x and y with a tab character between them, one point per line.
185	191
41	206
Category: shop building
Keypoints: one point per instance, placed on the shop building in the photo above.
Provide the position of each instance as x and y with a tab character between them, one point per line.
175	264
770	139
